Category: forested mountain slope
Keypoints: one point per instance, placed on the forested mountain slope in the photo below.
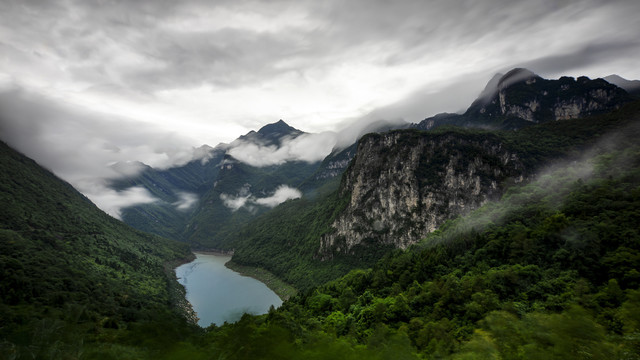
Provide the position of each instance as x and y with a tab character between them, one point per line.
74	279
294	240
549	271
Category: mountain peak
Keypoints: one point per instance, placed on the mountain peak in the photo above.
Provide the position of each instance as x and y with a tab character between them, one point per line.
514	76
272	134
278	128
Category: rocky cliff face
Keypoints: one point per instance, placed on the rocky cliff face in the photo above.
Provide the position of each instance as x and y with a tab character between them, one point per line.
520	98
404	184
524	95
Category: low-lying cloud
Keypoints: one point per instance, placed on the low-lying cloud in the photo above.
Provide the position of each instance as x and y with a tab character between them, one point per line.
112	202
234	202
306	147
282	194
245	199
186	200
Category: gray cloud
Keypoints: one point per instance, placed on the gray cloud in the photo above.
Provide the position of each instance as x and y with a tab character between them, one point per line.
154	45
186	201
585	56
282	194
148	56
86	148
112	202
234	202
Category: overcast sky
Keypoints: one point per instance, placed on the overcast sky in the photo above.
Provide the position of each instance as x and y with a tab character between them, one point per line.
84	83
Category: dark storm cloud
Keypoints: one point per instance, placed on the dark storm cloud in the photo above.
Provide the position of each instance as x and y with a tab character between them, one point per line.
149	45
68	139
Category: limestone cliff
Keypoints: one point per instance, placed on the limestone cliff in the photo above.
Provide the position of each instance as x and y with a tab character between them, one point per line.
404	184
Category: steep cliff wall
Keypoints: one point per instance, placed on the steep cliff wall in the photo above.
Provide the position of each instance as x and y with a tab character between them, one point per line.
404	184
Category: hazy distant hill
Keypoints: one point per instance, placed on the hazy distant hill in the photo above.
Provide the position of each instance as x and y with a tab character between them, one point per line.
631	86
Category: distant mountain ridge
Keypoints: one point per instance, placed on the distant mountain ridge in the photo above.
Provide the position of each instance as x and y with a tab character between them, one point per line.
227	189
631	86
521	98
216	182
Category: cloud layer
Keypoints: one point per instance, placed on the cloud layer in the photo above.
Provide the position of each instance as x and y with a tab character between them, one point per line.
306	147
85	84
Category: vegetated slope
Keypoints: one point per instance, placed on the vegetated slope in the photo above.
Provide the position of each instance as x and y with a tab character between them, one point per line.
239	185
203	201
294	240
177	190
74	279
284	240
548	272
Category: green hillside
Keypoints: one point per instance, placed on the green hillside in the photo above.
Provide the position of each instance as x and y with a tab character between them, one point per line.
213	224
75	280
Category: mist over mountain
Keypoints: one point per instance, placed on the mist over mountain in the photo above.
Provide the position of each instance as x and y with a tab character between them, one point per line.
234	182
414	179
631	86
423	242
520	98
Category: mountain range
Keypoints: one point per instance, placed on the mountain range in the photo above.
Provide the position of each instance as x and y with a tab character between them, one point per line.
204	201
508	231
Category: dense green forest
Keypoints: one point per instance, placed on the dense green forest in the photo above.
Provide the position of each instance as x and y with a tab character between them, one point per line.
75	281
548	271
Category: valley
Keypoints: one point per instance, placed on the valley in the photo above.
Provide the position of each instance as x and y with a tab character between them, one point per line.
507	231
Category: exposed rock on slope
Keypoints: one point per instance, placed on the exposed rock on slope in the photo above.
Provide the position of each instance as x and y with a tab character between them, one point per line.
520	98
404	184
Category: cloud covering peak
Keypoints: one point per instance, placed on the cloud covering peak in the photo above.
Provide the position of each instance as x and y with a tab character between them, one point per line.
305	147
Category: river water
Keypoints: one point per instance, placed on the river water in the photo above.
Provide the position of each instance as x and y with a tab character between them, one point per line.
219	294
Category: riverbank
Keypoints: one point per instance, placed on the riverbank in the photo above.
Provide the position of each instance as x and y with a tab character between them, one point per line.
177	292
219	252
282	289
